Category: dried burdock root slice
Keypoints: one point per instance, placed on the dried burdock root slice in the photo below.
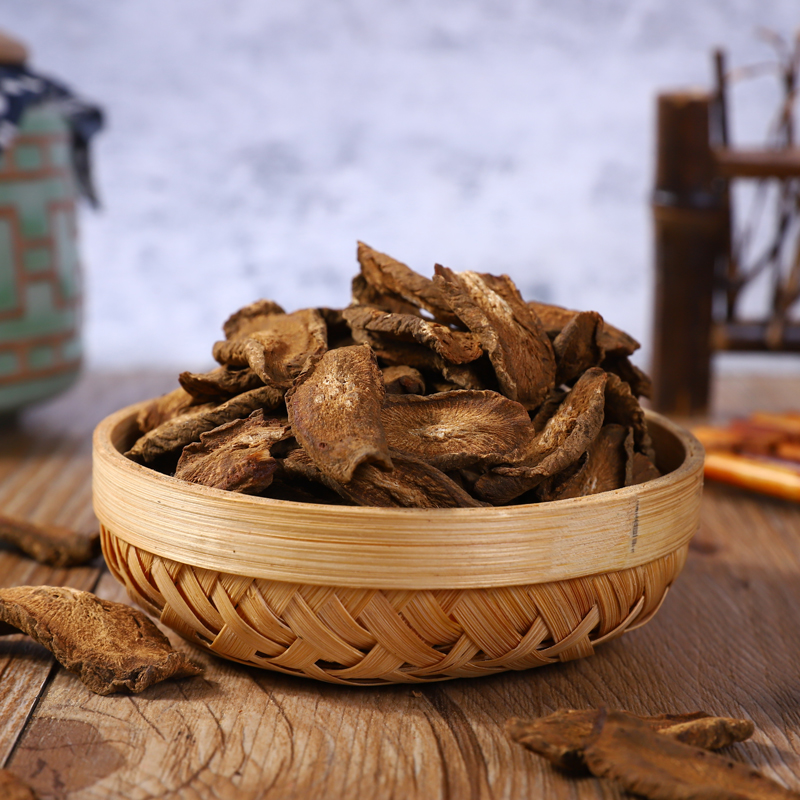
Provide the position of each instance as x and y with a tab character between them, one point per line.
576	346
281	349
611	340
394	351
456	429
411	484
604	469
546	410
175	434
388	276
642	470
168	406
14	788
403	380
50	544
251	318
219	384
456	347
236	456
639	381
365	294
562	737
565	438
623	408
335	412
522	358
111	647
646	763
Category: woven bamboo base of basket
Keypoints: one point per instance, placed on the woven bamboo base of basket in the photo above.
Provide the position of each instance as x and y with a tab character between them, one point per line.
378	636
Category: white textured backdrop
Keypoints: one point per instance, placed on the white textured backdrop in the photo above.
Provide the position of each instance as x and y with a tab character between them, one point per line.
250	143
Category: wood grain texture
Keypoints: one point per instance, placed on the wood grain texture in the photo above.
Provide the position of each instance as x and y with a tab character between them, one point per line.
725	641
45	477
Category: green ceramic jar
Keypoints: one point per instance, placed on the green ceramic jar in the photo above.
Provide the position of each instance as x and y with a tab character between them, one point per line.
40	281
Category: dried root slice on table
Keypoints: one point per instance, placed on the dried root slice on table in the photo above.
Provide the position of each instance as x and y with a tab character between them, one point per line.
429	392
53	545
562	737
661	758
111	647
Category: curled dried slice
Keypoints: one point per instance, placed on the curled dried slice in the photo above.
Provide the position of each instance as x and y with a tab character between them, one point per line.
604	469
403	380
167	407
611	340
642	470
253	317
639	381
456	347
110	646
365	294
521	354
411	484
175	434
280	349
455	429
562	737
647	763
565	438
623	408
388	276
335	412
548	408
221	383
396	352
50	544
576	346
237	456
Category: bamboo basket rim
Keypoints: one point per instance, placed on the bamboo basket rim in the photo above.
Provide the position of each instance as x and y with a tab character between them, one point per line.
389	548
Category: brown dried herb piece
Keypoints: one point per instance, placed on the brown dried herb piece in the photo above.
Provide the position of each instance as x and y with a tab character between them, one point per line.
175	434
642	470
548	408
253	317
365	294
219	384
611	340
50	544
603	470
456	429
623	408
576	346
110	646
14	788
395	351
522	358
168	406
403	380
643	761
237	456
279	350
411	484
565	438
456	347
563	736
639	381
335	412
388	276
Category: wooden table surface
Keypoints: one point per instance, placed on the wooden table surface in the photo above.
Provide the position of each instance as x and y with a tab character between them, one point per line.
726	641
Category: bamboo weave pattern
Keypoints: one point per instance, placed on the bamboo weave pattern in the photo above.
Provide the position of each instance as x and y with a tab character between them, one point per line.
370	636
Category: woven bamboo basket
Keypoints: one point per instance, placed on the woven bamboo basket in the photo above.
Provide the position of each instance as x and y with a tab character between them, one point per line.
357	595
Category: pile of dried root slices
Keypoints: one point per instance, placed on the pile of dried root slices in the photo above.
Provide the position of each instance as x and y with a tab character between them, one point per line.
423	393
